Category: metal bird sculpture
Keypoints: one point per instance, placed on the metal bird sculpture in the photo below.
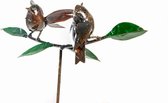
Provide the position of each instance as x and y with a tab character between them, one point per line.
83	26
36	21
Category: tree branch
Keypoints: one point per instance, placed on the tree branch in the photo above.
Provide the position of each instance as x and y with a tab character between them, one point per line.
69	46
96	39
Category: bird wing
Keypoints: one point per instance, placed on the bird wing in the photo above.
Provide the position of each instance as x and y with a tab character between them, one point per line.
59	16
83	31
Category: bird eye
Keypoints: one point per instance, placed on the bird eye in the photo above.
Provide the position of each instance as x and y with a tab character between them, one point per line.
84	11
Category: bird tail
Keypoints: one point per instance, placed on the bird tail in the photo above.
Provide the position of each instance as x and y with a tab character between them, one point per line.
80	54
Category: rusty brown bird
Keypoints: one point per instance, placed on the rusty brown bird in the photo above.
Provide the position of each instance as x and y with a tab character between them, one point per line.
83	26
36	21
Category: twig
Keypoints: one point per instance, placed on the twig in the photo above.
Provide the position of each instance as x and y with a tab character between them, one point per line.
69	46
42	41
96	39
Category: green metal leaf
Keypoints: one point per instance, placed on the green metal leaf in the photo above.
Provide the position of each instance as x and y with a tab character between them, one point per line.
90	55
15	31
125	31
36	49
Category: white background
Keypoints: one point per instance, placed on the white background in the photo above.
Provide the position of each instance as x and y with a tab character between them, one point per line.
134	71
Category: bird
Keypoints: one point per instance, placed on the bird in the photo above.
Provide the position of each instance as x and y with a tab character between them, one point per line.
36	21
82	27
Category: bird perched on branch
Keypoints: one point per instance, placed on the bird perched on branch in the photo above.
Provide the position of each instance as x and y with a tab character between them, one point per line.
36	21
83	26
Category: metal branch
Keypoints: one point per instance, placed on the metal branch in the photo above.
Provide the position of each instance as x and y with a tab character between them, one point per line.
69	46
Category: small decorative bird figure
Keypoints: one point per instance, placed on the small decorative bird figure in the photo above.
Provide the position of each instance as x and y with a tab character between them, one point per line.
83	26
36	21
